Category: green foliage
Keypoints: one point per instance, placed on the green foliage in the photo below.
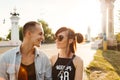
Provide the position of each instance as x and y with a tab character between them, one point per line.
107	63
20	34
0	38
118	37
49	36
9	35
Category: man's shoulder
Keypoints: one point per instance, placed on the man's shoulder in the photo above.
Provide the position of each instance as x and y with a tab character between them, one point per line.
40	52
9	52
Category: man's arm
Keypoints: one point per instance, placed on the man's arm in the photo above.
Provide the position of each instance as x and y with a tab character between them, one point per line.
48	74
3	65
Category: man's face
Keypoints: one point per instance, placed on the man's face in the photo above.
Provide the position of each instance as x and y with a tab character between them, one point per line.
37	36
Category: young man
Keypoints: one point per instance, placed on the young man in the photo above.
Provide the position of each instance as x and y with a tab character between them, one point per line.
26	62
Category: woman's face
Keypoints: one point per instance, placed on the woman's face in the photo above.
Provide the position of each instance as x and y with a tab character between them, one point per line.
62	40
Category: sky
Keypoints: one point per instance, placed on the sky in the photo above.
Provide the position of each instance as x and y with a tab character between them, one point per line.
76	14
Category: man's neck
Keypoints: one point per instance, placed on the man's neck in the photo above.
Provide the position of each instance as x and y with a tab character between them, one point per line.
28	54
27	49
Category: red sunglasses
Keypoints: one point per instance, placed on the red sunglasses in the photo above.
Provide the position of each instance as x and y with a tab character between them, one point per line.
59	38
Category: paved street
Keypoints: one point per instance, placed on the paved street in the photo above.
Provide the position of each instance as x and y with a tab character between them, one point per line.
83	50
86	53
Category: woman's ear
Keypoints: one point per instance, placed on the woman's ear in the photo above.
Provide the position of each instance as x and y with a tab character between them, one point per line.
70	41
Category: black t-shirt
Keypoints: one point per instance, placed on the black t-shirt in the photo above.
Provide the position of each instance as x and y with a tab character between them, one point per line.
69	72
27	72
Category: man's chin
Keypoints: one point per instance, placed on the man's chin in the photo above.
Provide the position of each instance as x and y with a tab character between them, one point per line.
38	45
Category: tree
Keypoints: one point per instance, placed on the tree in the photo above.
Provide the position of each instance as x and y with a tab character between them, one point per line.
49	36
9	35
0	38
118	37
20	34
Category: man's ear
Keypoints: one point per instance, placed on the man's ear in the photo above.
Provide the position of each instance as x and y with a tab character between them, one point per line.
70	41
28	33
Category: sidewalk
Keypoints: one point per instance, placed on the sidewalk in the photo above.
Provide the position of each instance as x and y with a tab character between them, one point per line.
83	50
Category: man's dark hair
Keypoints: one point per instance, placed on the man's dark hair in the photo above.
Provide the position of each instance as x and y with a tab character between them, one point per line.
29	26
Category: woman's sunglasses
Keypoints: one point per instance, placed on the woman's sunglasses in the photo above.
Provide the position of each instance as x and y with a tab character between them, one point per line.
59	38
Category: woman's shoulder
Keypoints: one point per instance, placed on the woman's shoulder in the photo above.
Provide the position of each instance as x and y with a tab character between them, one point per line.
77	60
53	59
53	56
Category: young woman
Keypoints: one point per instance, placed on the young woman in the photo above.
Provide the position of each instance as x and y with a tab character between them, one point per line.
66	65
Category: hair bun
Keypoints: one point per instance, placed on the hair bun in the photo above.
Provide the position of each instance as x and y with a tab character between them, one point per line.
79	37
